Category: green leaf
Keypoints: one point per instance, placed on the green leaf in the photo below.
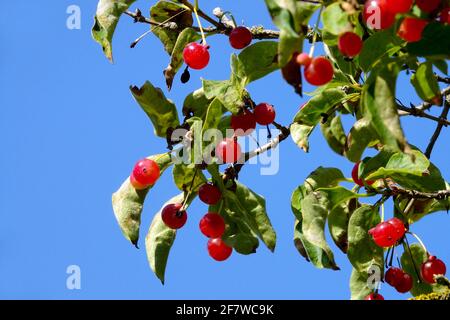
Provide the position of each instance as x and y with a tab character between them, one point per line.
251	69
379	45
380	107
338	220
106	19
425	83
334	134
311	113
362	250
228	93
128	202
434	42
425	207
315	212
186	36
441	64
358	285
196	104
419	256
335	21
338	195
246	205
300	135
213	115
183	176
168	11
161	111
361	136
159	241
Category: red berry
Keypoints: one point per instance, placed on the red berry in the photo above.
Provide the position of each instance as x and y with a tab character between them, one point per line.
264	114
212	225
173	216
218	249
383	235
399	227
399	6
445	15
411	29
432	267
428	5
404	283
228	150
376	14
244	123
240	37
145	173
319	71
196	55
303	59
209	194
393	276
374	296
350	44
355	176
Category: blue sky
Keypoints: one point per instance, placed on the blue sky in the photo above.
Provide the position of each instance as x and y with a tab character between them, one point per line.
70	133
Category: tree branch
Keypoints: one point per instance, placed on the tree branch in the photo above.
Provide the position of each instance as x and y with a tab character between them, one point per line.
412	194
439	127
424	106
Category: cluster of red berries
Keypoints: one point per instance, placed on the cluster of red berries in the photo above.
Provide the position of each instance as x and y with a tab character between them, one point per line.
399	279
380	14
318	71
229	150
387	233
197	57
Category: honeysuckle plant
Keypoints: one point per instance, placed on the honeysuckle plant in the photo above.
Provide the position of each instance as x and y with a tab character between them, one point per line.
367	45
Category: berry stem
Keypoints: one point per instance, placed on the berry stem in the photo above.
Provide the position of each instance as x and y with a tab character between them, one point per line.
419	240
316	30
406	243
199	22
183	207
231	16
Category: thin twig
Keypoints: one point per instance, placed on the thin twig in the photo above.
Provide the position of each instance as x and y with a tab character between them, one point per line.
439	127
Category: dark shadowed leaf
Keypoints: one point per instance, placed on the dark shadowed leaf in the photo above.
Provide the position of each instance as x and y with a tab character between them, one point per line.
425	83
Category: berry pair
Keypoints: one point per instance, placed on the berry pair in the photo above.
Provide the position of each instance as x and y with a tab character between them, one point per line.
399	279
387	233
245	122
145	174
318	71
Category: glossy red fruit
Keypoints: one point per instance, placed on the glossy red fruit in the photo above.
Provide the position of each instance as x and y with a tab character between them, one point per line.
355	176
374	296
393	276
445	15
240	37
212	225
196	55
399	227
399	6
228	150
244	123
350	44
145	173
428	5
383	235
404	283
319	72
264	114
411	29
433	266
209	194
173	216
218	249
303	59
376	14
136	184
